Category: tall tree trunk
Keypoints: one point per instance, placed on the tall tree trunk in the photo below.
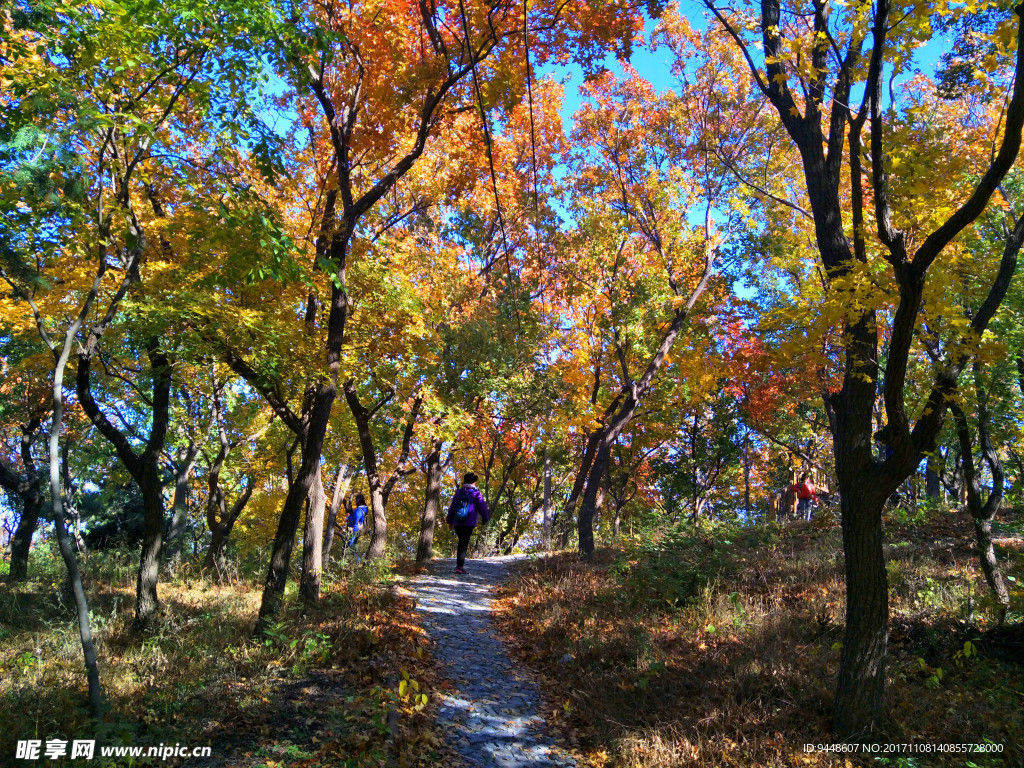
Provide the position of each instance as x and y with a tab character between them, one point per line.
746	476
698	506
932	481
593	495
147	603
311	429
432	503
320	398
220	529
60	356
284	542
990	565
342	482
312	541
21	541
380	489
820	135
56	500
27	487
144	469
310	426
336	231
378	512
563	520
632	393
547	499
70	505
505	534
617	421
179	505
218	518
861	683
982	513
213	562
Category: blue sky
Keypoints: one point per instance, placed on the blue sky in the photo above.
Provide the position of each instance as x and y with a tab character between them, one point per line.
656	66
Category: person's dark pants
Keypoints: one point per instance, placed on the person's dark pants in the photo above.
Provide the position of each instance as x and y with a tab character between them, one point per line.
803	509
463	532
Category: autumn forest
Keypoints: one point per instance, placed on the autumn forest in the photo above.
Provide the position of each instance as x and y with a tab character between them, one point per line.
719	301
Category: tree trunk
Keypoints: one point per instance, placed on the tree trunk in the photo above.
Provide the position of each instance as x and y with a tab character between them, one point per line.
312	541
863	491
506	533
432	503
27	487
379	536
179	506
70	508
593	495
336	231
21	541
56	501
562	522
218	519
861	684
983	512
284	542
147	604
320	399
311	428
341	485
698	506
152	487
632	394
863	484
746	477
990	565
144	469
380	489
220	530
60	358
547	499
594	487
213	562
932	481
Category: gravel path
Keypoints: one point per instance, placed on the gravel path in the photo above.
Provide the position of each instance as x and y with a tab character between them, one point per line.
493	713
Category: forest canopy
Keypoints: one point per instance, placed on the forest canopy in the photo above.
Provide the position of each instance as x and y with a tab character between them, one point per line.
640	267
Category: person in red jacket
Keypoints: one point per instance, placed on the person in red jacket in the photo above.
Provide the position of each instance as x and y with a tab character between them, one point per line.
806	496
467	508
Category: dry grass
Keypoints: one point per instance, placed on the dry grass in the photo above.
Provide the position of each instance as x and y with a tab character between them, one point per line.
316	690
739	669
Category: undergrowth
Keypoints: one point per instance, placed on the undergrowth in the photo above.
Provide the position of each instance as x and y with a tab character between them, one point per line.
320	687
720	646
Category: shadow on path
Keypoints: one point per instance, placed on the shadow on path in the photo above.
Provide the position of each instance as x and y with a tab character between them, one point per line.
494	710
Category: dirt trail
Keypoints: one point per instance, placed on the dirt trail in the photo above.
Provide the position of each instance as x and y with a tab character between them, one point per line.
494	714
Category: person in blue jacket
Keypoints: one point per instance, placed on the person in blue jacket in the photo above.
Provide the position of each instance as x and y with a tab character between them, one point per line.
467	509
356	518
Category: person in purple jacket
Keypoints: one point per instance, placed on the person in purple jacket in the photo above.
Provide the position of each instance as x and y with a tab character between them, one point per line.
467	508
